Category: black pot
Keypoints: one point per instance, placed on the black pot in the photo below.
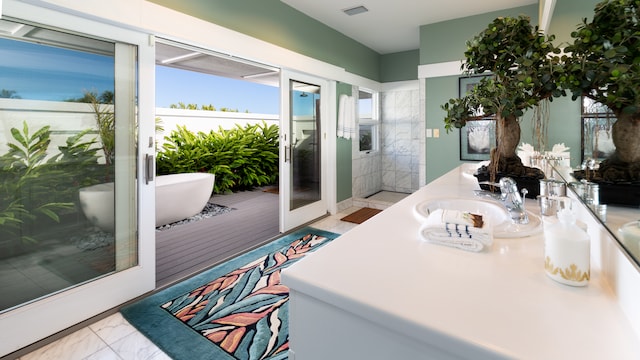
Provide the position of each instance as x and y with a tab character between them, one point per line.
623	193
531	183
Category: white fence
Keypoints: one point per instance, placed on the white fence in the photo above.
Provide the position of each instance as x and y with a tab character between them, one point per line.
205	120
67	119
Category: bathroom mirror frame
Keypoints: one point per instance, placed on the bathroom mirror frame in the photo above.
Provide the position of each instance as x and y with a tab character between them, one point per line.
616	216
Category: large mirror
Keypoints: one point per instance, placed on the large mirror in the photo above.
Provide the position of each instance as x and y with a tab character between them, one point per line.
623	222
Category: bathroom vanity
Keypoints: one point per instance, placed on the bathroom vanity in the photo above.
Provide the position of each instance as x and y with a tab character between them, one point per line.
380	292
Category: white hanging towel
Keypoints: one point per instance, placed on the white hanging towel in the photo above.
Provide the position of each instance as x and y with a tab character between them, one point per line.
346	117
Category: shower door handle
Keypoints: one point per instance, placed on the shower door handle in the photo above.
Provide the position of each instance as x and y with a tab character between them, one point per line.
148	168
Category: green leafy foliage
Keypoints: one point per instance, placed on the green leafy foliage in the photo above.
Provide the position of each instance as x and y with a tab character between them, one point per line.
34	190
524	65
241	158
604	59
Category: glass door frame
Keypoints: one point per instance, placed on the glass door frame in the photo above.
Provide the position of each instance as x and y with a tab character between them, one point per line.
292	218
72	306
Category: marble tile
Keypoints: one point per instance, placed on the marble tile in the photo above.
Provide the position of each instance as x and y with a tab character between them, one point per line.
403	181
334	224
76	346
403	163
345	204
388	163
160	356
403	132
417	130
415	180
388	179
104	354
387	102
112	328
135	346
388	132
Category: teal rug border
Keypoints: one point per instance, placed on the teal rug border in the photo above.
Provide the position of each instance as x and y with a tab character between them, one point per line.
170	334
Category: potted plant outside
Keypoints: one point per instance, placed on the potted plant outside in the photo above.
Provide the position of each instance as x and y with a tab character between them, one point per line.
603	64
524	65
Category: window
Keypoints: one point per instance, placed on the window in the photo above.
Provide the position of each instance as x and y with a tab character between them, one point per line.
597	121
368	120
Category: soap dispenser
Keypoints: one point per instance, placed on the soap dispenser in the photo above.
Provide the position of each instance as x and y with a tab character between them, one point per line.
567	249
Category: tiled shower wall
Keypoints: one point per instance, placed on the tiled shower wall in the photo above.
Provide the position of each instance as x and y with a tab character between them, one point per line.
400	140
396	167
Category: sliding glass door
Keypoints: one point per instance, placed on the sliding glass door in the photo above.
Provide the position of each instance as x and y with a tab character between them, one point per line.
69	191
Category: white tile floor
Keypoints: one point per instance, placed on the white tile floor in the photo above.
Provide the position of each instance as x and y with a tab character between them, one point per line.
113	338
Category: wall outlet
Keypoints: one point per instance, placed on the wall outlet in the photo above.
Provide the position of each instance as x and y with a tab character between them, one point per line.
429	133
436	133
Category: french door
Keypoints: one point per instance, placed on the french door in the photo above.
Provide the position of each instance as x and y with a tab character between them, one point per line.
77	124
303	148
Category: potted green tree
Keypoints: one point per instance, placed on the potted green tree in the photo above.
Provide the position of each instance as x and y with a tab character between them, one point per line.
524	65
603	64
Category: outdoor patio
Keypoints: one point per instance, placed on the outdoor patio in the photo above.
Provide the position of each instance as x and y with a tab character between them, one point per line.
190	248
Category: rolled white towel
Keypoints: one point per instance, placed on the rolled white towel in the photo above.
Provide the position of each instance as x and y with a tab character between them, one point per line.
458	229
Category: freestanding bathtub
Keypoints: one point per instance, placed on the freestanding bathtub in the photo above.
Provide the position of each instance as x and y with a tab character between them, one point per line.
178	196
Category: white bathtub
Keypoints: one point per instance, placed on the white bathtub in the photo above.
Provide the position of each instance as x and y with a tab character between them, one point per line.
178	196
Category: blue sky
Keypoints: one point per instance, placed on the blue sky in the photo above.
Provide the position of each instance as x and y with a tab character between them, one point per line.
23	70
175	85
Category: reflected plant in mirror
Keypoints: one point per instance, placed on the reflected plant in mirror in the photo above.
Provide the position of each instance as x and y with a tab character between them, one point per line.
602	65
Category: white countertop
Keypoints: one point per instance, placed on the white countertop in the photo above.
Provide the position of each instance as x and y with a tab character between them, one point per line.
498	302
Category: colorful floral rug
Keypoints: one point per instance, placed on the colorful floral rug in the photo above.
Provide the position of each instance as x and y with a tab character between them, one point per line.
236	310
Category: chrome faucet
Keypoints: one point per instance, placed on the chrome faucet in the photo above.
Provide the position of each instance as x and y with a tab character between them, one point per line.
510	199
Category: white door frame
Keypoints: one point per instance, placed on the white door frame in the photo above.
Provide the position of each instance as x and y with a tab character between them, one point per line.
289	218
26	324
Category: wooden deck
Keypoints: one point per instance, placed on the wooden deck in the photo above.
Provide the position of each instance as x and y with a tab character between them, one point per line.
191	248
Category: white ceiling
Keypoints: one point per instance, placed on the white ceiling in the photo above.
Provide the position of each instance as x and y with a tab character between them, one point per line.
394	25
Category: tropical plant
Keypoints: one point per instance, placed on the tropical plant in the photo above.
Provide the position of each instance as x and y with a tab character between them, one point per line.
603	64
26	183
524	65
9	94
240	157
210	107
102	106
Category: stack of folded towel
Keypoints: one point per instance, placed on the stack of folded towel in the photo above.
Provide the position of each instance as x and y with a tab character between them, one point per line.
459	229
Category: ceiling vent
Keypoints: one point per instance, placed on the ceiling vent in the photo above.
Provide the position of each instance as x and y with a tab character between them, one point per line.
355	10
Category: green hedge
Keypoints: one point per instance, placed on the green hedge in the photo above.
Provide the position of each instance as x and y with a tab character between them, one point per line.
241	158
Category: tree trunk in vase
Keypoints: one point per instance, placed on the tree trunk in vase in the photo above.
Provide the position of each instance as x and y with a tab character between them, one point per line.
624	163
504	158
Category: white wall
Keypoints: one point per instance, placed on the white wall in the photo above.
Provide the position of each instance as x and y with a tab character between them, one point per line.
205	120
65	118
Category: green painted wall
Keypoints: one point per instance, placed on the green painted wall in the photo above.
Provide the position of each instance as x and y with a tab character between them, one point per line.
446	41
399	66
567	15
343	155
277	23
443	153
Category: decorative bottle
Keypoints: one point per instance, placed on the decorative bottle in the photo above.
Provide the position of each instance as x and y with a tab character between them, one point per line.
567	250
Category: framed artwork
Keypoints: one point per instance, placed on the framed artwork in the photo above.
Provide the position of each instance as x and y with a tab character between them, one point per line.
466	83
477	137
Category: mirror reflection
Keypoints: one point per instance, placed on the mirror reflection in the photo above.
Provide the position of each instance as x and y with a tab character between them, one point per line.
621	221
